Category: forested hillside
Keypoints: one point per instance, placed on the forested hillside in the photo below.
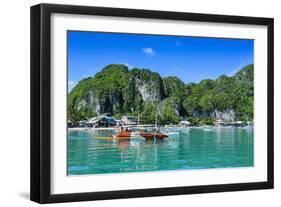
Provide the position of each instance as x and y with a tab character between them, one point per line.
120	91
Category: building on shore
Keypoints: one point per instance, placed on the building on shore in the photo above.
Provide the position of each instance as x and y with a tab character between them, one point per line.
184	123
104	120
219	122
129	120
84	123
71	124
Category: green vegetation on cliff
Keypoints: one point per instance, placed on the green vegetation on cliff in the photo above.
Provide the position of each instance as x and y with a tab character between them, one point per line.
120	91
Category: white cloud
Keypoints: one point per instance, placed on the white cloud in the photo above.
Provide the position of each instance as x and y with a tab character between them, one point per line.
148	51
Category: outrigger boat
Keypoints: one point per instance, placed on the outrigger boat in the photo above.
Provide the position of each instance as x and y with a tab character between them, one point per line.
128	134
122	135
151	136
147	136
156	135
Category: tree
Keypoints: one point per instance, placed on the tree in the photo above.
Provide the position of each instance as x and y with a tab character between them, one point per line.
119	91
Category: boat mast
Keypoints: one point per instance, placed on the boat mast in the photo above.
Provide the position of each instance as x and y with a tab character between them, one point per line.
156	120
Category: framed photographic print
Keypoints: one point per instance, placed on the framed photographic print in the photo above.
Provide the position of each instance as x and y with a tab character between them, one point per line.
133	103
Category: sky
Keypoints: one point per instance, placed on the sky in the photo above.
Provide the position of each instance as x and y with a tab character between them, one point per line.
192	59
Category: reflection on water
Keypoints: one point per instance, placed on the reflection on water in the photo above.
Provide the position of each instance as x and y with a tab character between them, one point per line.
92	152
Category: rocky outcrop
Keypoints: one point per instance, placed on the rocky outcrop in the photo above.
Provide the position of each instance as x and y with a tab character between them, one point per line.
148	84
225	115
118	90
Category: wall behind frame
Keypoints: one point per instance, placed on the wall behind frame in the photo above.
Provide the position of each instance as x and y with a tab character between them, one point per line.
14	104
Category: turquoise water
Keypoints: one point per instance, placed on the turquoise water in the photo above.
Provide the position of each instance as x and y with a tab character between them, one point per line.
193	148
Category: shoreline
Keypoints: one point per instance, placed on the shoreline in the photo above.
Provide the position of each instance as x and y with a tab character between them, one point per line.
167	127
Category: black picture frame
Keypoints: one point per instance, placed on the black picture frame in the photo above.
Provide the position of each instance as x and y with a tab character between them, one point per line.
40	184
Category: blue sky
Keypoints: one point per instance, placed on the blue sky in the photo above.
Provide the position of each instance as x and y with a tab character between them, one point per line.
189	58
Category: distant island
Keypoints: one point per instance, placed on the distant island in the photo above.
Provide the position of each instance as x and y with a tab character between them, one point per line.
145	94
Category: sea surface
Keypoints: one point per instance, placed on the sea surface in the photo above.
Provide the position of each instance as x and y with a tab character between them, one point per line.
91	152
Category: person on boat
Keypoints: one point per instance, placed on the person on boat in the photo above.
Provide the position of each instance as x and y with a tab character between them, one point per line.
121	129
124	133
157	130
